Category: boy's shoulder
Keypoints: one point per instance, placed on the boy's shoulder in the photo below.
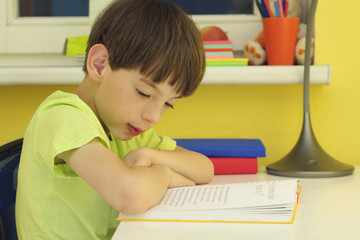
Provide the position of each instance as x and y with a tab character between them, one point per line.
64	120
61	98
65	107
64	103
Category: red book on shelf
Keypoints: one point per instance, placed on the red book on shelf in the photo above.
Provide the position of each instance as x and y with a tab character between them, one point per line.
219	50
234	165
217	42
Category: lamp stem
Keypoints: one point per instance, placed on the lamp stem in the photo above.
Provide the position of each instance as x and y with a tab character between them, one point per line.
309	32
307	158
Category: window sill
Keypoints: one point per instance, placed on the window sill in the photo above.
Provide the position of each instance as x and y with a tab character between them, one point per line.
69	75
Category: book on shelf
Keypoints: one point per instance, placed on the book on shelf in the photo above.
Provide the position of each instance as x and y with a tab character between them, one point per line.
220	50
219	55
227	62
224	147
234	165
218	45
251	202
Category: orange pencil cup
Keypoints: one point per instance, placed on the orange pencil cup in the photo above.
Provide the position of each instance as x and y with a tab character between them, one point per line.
280	39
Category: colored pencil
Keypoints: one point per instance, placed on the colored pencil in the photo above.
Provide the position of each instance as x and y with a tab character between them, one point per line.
268	8
286	8
264	8
261	10
281	8
276	9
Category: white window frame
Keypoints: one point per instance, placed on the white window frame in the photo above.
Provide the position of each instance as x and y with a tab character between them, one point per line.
41	35
47	35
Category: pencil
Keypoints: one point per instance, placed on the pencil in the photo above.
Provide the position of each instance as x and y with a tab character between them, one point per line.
281	8
258	4
264	9
276	9
268	8
286	8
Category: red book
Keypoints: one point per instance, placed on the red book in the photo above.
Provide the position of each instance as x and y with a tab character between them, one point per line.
218	50
217	42
234	165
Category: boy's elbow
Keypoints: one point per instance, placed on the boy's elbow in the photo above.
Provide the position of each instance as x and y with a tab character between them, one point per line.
135	199
207	170
209	173
130	205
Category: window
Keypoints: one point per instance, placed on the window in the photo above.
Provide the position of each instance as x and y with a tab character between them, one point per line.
38	26
196	7
47	8
42	26
238	18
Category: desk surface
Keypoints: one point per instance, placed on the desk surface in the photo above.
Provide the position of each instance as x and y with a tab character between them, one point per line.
328	209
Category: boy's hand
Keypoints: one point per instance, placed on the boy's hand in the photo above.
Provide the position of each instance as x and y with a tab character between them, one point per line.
140	157
145	157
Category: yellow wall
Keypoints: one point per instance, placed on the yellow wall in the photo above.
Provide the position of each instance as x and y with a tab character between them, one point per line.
272	113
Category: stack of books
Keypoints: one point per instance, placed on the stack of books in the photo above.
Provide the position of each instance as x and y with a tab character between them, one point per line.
229	155
220	53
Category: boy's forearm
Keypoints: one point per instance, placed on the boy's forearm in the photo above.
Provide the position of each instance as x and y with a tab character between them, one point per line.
147	186
192	165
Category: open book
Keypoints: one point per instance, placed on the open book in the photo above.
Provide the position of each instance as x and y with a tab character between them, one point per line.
257	202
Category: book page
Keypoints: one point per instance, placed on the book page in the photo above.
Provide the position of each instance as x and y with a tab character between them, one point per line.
225	196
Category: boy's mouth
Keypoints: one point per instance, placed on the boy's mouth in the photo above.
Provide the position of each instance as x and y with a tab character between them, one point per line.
133	130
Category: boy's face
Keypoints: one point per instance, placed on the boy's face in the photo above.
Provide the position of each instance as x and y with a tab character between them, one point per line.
128	103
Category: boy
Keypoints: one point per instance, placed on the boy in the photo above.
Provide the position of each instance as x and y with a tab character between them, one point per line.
86	156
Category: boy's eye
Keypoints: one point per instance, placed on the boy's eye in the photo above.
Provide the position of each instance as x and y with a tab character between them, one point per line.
142	93
169	105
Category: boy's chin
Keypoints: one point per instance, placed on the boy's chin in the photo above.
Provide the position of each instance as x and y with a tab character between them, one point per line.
122	136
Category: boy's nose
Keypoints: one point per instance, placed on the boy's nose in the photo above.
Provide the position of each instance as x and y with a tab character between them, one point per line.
152	114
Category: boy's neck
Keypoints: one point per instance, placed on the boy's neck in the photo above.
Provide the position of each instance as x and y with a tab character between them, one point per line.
86	92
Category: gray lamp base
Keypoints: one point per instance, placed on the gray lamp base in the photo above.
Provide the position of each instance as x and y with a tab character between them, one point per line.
308	159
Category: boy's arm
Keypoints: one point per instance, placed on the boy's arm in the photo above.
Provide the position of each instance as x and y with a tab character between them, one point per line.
192	165
127	189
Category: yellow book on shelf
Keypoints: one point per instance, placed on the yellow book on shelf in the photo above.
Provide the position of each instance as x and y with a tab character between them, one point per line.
251	202
227	62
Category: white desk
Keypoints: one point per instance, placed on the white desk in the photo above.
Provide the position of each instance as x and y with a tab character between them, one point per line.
329	208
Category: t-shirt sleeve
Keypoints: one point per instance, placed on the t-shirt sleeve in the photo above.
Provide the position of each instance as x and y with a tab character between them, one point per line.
60	129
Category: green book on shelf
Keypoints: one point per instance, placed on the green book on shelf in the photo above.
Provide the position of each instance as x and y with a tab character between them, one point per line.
227	62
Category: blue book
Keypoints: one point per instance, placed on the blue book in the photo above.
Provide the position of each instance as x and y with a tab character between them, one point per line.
224	147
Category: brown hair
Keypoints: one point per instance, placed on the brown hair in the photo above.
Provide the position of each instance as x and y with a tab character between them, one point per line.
154	35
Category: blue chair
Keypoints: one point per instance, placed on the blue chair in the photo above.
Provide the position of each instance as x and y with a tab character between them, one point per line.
9	163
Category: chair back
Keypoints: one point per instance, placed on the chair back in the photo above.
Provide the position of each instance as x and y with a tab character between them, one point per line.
9	163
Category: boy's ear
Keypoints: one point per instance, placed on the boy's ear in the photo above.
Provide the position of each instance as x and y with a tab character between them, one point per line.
96	60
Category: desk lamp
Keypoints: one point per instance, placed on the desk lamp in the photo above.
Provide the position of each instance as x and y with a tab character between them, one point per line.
307	158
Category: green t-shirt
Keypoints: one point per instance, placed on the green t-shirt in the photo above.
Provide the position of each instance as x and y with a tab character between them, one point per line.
52	201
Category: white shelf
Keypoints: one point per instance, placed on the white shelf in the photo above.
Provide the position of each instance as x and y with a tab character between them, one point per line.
47	75
319	74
